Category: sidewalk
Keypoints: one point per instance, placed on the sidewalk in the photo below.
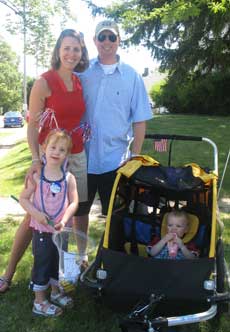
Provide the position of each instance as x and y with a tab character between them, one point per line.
11	208
7	142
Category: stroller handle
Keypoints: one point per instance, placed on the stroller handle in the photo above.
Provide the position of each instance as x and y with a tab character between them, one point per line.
189	138
174	137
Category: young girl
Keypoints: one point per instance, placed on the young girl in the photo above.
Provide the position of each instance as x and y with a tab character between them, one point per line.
171	246
51	199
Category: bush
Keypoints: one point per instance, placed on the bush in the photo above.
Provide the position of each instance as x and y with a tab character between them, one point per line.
207	94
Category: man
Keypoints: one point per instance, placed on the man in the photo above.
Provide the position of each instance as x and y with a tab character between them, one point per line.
117	106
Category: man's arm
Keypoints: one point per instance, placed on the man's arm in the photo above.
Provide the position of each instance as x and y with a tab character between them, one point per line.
139	135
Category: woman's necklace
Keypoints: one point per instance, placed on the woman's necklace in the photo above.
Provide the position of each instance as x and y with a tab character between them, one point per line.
55	188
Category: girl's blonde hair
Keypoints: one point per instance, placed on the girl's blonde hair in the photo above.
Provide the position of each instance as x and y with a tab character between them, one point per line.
58	134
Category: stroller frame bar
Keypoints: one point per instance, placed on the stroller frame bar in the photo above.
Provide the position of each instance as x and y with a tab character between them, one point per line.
189	138
156	323
193	318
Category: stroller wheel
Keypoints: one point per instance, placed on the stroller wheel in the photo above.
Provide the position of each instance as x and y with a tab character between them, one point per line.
220	267
221	276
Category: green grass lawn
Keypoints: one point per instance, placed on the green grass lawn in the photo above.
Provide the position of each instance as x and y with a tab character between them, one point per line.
88	315
13	167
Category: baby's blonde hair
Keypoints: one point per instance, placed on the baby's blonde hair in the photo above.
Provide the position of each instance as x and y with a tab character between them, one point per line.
178	214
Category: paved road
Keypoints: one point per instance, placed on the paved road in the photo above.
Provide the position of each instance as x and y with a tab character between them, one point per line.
9	137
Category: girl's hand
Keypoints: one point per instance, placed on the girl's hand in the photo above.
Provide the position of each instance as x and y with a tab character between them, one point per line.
60	226
42	218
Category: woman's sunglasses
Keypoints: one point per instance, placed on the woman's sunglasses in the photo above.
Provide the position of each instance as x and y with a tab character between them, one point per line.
103	37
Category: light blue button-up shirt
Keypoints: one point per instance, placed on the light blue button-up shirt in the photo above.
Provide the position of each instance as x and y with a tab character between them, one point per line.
113	103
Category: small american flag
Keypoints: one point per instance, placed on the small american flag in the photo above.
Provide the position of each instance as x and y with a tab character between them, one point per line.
161	145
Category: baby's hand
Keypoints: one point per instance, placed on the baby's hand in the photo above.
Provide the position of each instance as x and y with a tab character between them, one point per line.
169	237
179	242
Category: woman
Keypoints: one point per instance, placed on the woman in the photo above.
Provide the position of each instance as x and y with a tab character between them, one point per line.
57	94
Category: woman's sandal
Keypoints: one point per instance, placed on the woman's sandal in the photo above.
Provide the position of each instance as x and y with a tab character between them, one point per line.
4	284
46	309
62	300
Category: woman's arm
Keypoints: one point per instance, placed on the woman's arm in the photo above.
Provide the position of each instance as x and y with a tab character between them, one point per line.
73	202
40	91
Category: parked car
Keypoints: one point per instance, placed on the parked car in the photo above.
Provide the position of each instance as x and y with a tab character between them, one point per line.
13	119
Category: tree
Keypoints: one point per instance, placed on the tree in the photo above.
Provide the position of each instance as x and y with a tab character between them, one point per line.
191	39
35	16
10	78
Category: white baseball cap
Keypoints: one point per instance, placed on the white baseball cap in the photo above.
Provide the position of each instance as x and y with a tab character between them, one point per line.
107	25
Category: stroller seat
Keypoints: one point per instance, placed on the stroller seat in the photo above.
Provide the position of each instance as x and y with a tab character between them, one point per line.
138	234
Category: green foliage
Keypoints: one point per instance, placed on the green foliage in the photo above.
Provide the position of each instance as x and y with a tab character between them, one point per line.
10	78
190	39
36	18
207	94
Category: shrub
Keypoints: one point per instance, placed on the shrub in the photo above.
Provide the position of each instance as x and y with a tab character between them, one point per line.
206	94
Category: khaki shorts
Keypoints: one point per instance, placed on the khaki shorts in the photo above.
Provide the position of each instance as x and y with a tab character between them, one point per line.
78	167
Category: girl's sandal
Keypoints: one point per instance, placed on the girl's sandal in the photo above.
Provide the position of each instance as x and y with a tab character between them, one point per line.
4	284
62	300
46	309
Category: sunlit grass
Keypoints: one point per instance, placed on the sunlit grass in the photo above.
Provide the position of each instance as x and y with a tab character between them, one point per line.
86	314
16	305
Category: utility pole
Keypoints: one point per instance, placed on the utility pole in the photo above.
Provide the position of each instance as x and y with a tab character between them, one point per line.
22	14
24	60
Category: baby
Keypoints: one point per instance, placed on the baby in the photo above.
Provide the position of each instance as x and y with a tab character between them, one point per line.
171	246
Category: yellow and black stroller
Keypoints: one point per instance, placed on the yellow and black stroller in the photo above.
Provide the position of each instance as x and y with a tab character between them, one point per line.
163	293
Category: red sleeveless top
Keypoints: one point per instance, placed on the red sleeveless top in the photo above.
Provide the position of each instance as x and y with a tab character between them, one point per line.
68	106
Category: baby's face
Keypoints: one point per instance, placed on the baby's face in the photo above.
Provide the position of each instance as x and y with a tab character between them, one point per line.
177	225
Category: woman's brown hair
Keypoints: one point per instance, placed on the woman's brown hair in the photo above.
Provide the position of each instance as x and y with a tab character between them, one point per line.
84	62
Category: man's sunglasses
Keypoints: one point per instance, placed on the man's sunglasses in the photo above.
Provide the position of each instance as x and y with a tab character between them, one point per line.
103	37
